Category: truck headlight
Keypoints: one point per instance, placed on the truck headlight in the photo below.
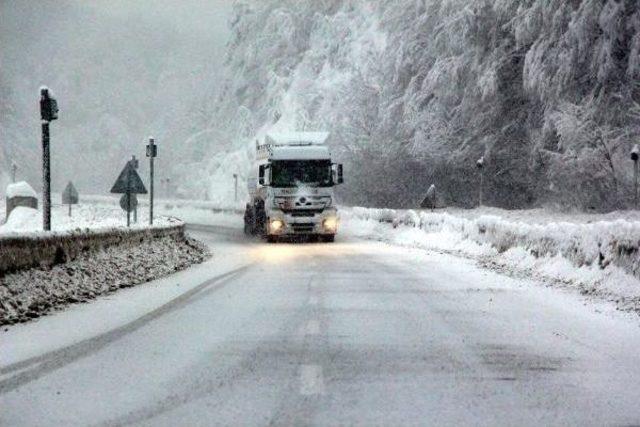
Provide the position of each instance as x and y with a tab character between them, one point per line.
276	225
330	223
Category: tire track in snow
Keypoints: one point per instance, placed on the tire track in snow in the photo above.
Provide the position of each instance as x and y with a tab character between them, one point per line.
36	367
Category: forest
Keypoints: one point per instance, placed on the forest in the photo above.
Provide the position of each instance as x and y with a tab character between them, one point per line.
414	92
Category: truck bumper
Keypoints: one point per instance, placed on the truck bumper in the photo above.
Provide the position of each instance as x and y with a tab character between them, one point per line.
287	224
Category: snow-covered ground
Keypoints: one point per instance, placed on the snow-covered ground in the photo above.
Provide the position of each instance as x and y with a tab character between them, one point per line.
595	254
83	216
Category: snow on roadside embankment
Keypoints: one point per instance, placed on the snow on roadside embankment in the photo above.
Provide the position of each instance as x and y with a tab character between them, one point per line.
93	253
597	255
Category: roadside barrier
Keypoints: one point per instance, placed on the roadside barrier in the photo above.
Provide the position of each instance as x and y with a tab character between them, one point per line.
21	252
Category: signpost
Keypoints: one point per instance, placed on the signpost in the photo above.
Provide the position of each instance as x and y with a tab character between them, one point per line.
480	166
70	196
128	204
48	112
135	163
152	152
129	184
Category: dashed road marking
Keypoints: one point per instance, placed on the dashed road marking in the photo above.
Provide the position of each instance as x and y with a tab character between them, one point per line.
311	380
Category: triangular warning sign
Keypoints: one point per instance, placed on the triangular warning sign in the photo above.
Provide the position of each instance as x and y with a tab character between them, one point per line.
70	195
129	181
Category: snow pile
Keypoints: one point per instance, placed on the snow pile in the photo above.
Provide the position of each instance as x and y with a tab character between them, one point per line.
599	257
34	292
25	221
20	189
22	218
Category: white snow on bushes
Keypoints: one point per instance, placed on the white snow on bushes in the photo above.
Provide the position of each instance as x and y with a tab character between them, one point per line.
599	257
20	189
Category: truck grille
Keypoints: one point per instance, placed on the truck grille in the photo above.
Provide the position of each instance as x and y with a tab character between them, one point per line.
307	213
302	227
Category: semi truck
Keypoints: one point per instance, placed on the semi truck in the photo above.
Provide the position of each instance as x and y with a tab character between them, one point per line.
291	188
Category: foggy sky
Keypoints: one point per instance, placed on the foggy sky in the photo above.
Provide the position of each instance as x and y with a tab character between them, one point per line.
121	70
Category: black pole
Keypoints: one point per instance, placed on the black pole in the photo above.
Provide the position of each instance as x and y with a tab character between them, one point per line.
481	186
151	190
46	178
235	187
635	183
128	193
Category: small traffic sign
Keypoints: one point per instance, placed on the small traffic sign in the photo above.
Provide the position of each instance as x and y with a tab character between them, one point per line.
129	182
70	195
128	205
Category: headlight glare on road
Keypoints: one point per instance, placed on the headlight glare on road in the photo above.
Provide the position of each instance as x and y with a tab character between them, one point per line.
330	224
276	225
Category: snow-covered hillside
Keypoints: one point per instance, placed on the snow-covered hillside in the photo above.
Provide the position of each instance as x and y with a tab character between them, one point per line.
415	91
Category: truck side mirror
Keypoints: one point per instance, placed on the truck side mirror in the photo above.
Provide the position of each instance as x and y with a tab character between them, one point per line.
263	175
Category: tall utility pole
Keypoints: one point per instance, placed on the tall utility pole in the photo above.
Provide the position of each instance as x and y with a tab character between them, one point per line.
235	187
635	156
480	166
48	112
152	152
14	171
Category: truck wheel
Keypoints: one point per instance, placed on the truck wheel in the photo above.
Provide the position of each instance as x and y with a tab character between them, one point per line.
248	221
272	239
328	238
260	219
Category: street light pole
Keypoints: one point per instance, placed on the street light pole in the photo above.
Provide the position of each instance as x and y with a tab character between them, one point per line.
635	156
14	171
235	190
46	178
48	112
152	152
480	166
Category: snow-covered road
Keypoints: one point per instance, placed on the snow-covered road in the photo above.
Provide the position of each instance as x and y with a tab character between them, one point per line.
355	332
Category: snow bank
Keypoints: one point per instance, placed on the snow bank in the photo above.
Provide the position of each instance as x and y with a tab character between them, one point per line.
45	271
21	218
20	189
598	257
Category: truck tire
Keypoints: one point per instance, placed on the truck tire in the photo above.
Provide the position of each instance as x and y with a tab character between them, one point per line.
329	238
248	220
260	219
272	239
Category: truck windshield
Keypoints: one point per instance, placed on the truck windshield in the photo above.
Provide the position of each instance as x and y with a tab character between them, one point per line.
293	173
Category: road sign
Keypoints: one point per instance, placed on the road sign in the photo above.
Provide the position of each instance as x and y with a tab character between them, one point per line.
129	182
70	195
131	204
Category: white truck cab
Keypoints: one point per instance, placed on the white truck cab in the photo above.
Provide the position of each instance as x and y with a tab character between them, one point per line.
291	187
